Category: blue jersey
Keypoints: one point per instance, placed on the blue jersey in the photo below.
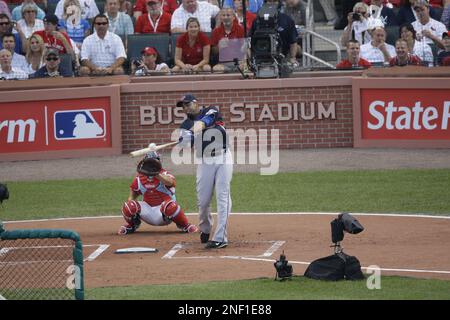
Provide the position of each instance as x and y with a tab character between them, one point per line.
254	6
76	33
215	139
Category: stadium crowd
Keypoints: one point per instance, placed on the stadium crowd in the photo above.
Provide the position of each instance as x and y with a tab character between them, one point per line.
46	38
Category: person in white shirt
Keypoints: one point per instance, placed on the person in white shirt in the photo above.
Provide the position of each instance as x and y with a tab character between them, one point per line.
7	71
358	24
89	9
378	51
102	53
29	23
201	10
18	61
119	22
427	29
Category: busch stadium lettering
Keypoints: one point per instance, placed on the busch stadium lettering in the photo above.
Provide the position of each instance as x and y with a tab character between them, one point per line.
283	112
252	112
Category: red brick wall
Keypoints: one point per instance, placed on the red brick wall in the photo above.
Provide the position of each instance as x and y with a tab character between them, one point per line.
294	134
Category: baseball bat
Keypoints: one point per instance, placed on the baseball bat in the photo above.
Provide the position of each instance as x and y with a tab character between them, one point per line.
141	152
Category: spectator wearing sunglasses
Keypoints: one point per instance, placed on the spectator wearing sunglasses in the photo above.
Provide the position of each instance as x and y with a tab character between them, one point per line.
52	67
427	29
102	53
6	27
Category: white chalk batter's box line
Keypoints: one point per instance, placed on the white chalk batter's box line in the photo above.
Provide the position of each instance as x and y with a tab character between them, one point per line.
101	248
268	253
386	215
275	246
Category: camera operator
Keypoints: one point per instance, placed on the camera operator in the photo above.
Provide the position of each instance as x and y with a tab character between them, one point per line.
358	24
287	32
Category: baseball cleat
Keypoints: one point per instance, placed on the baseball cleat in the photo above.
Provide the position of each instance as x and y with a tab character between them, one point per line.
215	245
204	237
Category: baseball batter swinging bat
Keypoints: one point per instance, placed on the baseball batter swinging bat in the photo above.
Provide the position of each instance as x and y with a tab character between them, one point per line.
151	147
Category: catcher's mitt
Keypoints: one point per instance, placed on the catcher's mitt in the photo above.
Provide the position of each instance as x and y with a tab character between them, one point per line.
149	167
4	194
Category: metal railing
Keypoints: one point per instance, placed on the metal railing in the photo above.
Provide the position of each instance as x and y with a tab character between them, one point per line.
309	56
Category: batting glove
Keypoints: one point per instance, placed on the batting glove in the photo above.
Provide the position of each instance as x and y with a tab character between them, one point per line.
186	138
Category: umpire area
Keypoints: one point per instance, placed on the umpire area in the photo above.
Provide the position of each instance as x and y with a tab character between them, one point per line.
398	244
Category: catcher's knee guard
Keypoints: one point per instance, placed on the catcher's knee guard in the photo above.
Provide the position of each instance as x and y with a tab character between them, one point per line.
130	212
172	211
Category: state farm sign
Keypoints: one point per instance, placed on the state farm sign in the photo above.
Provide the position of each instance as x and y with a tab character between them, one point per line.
52	125
419	114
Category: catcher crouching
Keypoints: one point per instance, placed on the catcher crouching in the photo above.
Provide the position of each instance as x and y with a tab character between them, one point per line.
159	206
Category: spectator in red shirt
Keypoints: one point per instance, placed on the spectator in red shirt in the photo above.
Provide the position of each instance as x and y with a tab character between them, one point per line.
192	49
403	57
53	38
221	45
156	21
250	16
353	61
140	7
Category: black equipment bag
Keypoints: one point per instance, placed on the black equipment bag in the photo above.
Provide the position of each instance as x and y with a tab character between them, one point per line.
353	268
335	267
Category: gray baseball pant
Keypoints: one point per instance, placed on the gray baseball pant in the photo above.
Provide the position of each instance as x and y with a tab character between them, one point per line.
216	175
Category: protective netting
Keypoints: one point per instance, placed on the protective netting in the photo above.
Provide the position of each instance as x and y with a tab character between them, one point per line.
40	269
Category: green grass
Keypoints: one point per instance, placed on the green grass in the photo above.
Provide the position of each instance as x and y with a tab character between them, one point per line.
390	191
36	293
299	288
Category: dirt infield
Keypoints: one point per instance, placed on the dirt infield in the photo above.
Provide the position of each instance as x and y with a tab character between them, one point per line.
390	242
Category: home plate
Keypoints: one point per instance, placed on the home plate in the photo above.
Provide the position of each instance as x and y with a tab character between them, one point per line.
136	250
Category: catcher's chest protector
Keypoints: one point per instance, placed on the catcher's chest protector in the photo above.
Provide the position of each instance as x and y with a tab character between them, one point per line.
335	267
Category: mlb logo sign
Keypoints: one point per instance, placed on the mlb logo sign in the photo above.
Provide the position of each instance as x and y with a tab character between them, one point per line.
67	127
79	124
